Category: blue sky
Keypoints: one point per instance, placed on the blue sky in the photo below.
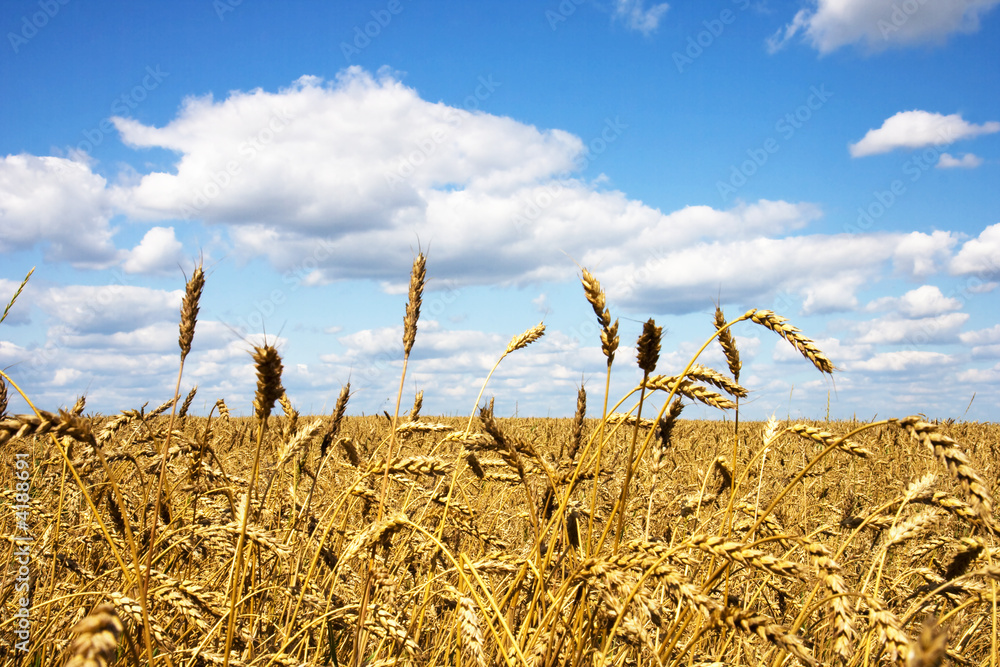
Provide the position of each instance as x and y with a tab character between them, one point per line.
833	160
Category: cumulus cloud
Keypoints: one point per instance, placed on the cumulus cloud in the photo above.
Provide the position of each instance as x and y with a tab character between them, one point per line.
58	203
981	336
985	342
925	301
835	349
336	180
918	255
109	308
980	256
902	360
875	25
980	376
967	161
916	129
920	331
636	17
825	270
327	159
159	252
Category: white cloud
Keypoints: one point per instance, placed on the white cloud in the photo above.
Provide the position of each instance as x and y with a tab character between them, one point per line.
903	360
825	270
159	252
985	342
925	301
986	351
980	256
636	17
940	329
918	255
333	159
879	24
109	308
835	349
980	375
981	336
916	129
333	181
967	161
58	202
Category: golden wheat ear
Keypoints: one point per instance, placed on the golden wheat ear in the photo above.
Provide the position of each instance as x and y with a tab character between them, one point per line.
96	638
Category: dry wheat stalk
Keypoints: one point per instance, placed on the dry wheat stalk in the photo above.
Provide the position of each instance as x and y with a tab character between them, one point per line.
955	460
418	402
189	310
525	339
163	407
741	553
374	533
469	630
338	418
186	405
793	335
929	650
687	388
63	424
889	630
131	611
609	332
714	377
728	344
299	441
96	638
3	398
912	527
648	346
616	418
845	629
10	303
576	434
269	389
826	439
418	275
409	427
763	627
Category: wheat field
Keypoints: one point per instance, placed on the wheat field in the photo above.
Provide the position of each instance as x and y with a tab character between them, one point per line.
636	537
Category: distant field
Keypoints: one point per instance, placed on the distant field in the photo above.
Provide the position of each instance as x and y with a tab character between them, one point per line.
859	550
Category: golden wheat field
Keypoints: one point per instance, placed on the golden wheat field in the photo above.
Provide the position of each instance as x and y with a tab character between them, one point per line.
635	537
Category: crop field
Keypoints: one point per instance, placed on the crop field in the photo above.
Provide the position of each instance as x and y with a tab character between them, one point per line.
627	535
